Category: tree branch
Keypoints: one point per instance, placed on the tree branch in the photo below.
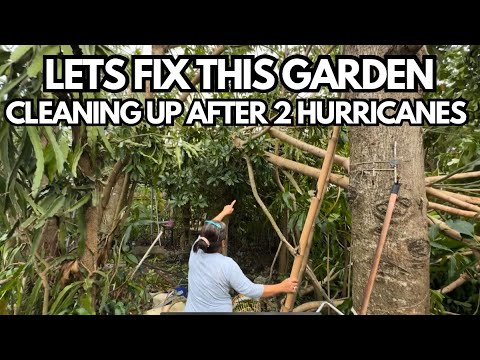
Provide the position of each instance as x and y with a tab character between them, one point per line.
454	234
434	179
469	199
290	248
112	179
339	180
452	210
339	160
451	199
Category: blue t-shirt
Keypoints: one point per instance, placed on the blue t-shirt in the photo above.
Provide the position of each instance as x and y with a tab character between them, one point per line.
210	277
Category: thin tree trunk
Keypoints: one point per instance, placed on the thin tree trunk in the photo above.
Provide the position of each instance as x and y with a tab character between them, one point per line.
283	255
402	283
186	215
91	242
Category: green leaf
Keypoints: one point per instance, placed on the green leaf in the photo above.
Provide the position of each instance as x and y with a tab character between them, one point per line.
33	297
19	52
132	258
80	203
75	158
4	68
440	246
452	269
36	208
178	155
433	231
83	311
37	147
86	303
11	84
105	292
25	151
37	63
107	144
72	287
462	226
51	211
92	134
56	148
287	199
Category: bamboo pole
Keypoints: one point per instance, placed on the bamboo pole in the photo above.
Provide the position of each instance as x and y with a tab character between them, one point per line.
299	144
316	284
451	210
467	175
469	199
451	199
304	248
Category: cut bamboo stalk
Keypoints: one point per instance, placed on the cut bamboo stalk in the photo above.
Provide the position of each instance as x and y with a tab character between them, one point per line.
469	199
316	284
336	179
451	210
451	199
304	248
299	144
467	175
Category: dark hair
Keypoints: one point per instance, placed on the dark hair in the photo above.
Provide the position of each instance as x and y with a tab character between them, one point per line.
214	235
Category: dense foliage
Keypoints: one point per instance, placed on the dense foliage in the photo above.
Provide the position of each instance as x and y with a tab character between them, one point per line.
52	177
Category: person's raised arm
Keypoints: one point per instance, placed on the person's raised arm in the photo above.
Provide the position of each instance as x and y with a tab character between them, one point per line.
286	286
227	210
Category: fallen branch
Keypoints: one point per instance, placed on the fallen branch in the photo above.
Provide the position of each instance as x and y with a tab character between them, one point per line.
274	260
161	272
146	254
340	160
454	234
451	199
313	305
433	179
462	279
451	210
267	213
336	179
4	281
469	199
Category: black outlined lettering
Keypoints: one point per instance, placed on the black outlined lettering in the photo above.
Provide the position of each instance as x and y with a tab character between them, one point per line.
373	112
84	73
238	74
284	118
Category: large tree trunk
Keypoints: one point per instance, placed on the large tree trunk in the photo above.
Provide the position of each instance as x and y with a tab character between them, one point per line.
402	283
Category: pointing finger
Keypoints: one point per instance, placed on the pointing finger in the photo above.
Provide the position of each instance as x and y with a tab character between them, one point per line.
233	202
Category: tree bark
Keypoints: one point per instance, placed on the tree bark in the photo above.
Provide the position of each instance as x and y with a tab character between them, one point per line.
49	237
402	283
89	257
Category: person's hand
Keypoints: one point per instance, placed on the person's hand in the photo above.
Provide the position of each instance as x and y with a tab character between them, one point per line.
290	285
228	209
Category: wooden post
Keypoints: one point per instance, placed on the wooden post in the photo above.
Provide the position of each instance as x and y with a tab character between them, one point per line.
301	258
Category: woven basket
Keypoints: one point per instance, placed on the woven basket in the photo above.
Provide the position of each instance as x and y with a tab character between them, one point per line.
242	303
